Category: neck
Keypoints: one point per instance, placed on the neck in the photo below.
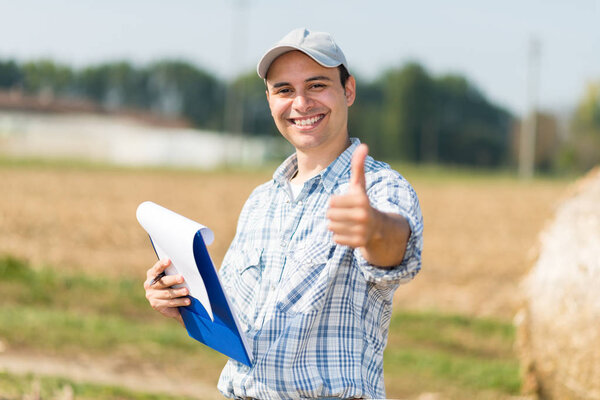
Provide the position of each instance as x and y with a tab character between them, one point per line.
311	161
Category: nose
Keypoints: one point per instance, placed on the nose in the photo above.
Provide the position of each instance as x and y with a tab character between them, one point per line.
302	103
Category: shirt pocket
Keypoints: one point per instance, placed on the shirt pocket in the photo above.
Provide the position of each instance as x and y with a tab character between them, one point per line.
304	289
246	283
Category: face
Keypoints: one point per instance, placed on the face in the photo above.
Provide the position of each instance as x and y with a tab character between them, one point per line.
309	104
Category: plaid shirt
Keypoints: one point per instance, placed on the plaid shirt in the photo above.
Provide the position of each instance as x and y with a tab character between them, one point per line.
316	314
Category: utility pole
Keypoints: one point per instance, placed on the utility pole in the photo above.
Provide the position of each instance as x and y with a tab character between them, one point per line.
234	97
529	125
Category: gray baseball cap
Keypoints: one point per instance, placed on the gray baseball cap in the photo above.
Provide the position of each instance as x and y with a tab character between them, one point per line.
319	46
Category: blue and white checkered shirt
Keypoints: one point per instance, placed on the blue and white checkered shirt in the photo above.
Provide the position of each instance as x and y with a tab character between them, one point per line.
316	314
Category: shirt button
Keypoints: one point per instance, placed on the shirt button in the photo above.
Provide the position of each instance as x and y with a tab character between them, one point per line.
299	203
283	243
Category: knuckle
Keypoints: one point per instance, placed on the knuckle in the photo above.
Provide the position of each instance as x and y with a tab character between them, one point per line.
361	216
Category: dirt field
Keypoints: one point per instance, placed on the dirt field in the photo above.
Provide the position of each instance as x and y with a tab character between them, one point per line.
480	236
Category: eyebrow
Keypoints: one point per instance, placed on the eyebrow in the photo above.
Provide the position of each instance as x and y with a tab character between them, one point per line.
313	78
318	78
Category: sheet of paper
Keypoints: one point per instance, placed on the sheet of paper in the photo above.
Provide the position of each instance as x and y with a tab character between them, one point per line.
173	237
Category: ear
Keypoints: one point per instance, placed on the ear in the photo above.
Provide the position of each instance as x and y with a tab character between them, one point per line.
350	90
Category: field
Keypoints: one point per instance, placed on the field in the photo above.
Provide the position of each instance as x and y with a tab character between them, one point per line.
73	259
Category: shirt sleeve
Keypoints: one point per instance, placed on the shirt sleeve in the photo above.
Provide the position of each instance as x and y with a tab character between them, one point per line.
391	193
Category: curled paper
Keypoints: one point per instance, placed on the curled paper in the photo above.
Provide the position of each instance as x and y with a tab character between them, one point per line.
172	236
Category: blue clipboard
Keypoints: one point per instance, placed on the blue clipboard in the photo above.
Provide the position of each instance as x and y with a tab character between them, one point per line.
222	334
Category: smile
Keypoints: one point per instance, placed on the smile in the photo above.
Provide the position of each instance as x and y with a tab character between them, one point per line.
307	121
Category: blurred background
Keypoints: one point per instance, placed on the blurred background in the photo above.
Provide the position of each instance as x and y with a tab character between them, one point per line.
490	110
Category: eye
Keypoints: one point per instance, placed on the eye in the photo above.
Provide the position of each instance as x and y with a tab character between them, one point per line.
317	85
283	91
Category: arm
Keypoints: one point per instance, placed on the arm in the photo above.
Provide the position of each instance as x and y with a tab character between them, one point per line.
381	237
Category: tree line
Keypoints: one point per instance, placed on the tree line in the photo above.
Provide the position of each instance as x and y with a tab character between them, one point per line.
405	114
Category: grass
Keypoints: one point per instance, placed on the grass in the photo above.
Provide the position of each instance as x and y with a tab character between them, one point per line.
62	314
438	351
435	173
66	164
452	174
70	313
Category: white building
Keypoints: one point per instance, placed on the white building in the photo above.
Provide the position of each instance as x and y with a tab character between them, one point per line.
125	141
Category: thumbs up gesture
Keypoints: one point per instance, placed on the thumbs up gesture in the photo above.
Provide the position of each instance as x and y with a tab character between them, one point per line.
381	237
351	218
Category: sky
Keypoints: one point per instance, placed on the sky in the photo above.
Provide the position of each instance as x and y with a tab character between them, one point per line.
489	42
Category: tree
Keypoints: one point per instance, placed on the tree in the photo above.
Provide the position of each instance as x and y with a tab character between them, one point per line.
250	92
582	150
115	85
470	130
364	117
196	94
408	100
425	119
10	75
46	76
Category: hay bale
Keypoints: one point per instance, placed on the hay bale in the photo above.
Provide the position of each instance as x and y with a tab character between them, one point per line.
559	326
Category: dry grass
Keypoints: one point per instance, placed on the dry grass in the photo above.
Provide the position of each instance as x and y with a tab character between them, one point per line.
479	234
480	240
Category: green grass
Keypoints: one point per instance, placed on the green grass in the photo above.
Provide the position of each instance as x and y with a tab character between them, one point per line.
441	351
58	313
452	174
69	314
413	172
20	386
63	164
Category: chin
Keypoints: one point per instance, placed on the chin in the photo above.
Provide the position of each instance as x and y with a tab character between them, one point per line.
302	143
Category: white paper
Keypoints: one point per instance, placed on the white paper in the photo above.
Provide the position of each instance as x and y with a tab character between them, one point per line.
173	237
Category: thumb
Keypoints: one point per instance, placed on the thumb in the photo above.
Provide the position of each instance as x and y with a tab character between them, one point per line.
357	177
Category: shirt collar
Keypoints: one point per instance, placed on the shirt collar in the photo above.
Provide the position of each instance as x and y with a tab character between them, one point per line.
330	176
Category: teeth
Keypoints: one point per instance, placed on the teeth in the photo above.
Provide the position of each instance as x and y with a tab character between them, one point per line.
308	121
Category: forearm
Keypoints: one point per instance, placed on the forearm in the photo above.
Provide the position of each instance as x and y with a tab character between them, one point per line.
387	245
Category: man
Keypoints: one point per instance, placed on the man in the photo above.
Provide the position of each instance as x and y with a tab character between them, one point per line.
319	249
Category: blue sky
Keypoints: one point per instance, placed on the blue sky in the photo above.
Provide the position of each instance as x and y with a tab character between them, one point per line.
485	41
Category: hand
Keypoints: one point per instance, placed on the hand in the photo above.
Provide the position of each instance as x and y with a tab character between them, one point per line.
351	218
162	296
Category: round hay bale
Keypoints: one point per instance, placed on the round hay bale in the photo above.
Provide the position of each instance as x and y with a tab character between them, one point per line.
559	325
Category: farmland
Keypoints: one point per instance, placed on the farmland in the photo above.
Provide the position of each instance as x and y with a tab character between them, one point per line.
72	230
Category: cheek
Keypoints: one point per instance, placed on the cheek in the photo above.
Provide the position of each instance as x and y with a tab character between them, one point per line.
277	109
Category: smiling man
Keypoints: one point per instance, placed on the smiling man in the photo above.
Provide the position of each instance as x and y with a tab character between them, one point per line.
320	249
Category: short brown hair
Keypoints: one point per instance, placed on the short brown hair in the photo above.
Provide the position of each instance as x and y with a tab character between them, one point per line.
344	75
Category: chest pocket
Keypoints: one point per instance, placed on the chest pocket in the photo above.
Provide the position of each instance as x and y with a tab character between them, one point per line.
305	286
247	280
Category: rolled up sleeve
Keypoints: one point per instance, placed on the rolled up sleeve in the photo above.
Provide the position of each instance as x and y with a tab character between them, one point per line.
391	193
